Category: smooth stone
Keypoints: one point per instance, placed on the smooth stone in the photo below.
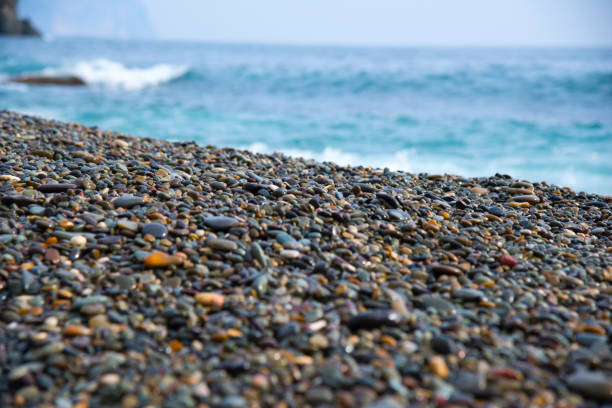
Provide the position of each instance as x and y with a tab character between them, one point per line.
222	244
290	254
589	339
319	395
27	280
221	223
52	255
19	200
446	269
321	267
81	302
497	211
125	282
442	344
259	254
438	303
56	188
78	241
158	259
528	198
398	215
591	384
128	201
286	240
468	294
128	225
156	229
508	261
110	240
37	210
373	319
22	370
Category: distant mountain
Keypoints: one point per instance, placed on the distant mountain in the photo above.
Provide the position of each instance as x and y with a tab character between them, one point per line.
10	24
89	18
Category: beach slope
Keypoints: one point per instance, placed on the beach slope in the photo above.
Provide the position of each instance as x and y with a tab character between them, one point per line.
140	272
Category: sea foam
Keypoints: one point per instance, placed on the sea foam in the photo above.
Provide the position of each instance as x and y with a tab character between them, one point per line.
114	75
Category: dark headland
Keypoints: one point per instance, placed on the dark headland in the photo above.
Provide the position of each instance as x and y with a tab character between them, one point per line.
11	24
139	272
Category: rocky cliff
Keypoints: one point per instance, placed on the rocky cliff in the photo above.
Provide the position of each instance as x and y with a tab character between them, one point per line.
10	24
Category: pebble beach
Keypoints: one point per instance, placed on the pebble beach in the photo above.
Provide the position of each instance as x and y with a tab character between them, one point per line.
136	272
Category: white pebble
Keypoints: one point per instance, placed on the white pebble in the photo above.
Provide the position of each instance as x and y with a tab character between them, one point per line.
78	241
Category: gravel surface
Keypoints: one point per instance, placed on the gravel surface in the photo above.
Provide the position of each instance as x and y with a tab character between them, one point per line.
141	273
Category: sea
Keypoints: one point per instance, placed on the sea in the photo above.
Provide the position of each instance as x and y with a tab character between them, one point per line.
540	114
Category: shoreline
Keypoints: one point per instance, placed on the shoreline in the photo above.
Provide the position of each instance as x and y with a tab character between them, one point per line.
138	271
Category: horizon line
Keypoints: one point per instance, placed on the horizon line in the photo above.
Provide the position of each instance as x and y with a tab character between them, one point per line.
50	37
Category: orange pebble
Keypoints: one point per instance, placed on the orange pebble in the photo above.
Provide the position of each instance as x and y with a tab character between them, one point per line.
438	366
66	224
210	299
158	259
76	330
176	345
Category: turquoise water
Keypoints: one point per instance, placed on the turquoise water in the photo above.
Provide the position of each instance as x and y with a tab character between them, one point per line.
537	114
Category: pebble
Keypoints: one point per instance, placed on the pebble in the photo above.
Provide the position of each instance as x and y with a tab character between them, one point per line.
290	254
128	201
438	366
56	188
155	229
78	241
210	299
128	225
438	303
530	198
373	319
221	223
222	244
158	259
592	384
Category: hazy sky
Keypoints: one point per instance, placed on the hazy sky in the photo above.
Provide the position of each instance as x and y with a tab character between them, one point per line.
389	22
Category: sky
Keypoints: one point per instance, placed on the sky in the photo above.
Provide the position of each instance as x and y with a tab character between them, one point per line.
387	22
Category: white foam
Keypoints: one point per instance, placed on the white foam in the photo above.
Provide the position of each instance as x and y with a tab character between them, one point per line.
114	75
411	161
405	160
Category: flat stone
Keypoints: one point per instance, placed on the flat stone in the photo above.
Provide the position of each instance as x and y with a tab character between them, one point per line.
221	223
446	269
19	200
56	188
438	303
290	253
128	201
398	215
528	198
110	240
37	210
591	384
128	225
155	229
259	254
442	344
52	255
468	294
373	319
222	244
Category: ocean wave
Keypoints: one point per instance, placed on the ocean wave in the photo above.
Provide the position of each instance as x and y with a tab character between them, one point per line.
405	160
411	161
114	75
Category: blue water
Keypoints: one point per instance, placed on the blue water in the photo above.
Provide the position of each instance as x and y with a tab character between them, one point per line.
536	114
